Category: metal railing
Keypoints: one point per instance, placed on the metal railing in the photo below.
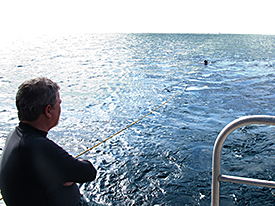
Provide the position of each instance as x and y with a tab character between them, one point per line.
216	161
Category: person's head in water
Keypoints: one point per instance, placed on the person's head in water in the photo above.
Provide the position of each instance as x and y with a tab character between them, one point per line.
205	62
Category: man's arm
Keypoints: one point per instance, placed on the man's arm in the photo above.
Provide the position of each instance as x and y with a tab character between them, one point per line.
53	165
67	184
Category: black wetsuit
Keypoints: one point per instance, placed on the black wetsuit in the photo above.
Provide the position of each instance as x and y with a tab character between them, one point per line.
33	170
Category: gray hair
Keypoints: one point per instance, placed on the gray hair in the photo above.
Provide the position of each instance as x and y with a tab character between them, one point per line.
33	96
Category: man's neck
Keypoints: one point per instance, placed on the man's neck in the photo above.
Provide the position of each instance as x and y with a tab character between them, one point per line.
37	124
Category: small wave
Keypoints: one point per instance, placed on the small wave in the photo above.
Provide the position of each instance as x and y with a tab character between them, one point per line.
193	88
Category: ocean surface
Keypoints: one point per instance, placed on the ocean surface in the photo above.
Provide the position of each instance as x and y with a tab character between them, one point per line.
109	81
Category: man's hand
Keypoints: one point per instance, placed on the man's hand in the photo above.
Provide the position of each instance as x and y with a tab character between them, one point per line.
67	184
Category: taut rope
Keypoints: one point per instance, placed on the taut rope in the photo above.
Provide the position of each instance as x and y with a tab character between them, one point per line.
131	124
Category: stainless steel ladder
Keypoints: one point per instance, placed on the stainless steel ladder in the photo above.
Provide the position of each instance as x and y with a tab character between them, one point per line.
216	161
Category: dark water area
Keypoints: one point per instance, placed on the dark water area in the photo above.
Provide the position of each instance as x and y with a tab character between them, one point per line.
109	81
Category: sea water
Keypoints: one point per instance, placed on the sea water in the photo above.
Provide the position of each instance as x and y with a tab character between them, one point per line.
109	81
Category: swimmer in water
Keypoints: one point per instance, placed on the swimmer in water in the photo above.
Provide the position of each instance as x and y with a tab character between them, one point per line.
205	62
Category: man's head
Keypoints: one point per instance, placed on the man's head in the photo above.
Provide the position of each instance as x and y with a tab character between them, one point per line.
34	97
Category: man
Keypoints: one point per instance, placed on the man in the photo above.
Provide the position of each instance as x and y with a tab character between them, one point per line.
34	170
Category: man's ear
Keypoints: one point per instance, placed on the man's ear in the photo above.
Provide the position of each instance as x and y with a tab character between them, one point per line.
47	111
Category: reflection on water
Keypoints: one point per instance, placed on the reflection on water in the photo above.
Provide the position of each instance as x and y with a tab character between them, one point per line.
110	80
